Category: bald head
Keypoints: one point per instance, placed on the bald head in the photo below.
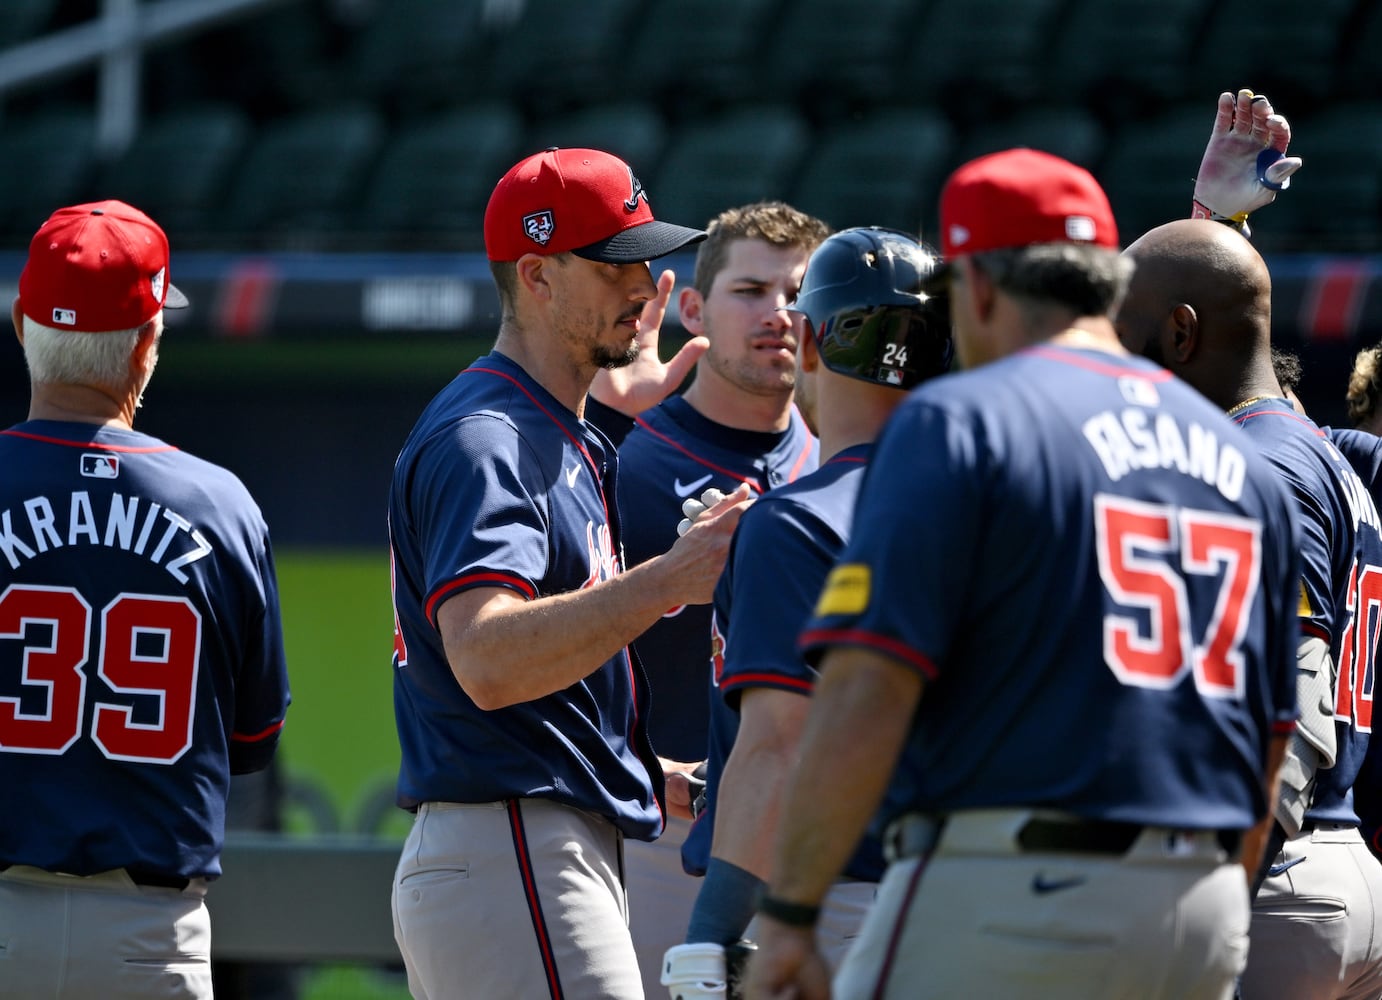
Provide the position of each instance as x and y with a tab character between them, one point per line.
1200	303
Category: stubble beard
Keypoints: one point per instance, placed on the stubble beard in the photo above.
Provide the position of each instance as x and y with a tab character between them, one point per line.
611	358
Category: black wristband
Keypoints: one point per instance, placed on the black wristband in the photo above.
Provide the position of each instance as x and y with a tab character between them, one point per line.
791	914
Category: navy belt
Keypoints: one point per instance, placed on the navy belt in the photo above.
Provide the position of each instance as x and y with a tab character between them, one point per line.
148	879
915	835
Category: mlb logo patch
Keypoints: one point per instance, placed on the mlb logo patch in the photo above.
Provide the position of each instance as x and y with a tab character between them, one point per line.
539	226
64	317
157	282
99	466
1080	228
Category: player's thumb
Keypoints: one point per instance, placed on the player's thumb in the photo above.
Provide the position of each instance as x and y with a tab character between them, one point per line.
685	359
1280	172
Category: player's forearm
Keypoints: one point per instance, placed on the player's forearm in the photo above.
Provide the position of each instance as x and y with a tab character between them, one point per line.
748	802
1255	839
858	723
504	650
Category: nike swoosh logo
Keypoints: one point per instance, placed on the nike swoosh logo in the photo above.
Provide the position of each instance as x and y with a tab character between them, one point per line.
691	487
571	475
1276	870
1041	885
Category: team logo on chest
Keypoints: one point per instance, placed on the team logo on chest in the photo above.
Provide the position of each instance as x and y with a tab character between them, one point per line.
604	564
539	226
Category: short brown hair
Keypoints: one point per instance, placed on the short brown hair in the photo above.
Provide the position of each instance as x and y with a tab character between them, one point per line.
1365	385
774	222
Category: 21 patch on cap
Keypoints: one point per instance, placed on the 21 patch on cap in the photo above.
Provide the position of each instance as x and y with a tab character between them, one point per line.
846	591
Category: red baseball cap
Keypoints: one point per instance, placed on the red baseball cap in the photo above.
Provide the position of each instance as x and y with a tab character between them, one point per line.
1019	197
581	201
97	267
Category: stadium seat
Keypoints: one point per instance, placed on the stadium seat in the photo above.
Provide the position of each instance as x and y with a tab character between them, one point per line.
969	54
435	177
1071	132
558	54
1286	49
692	56
179	167
49	162
1335	202
883	170
1358	75
729	159
830	56
631	130
1149	169
303	174
1115	56
416	56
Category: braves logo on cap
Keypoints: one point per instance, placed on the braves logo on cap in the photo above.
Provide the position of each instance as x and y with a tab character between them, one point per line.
539	226
635	192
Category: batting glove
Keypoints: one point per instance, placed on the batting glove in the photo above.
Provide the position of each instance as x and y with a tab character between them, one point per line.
695	971
1245	162
693	508
706	971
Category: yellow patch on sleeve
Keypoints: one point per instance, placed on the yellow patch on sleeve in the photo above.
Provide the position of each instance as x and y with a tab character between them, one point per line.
846	591
1305	610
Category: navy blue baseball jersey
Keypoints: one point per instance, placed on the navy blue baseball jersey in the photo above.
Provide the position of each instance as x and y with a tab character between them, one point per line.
674	453
500	485
1096	574
783	549
141	651
1341	577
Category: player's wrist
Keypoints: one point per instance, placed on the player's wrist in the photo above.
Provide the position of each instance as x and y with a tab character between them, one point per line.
1199	210
788	912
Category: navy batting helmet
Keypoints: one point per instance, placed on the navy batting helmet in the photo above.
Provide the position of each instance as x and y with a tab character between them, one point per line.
862	299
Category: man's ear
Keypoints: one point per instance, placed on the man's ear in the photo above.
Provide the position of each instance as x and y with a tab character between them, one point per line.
145	350
691	311
1184	327
531	270
976	284
17	318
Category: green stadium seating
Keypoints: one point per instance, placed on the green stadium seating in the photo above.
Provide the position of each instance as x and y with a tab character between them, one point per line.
180	167
302	176
729	159
49	162
435	176
882	170
632	130
1071	132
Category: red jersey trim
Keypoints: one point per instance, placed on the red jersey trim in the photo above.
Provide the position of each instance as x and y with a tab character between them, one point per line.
762	678
87	444
888	647
256	737
1065	355
476	580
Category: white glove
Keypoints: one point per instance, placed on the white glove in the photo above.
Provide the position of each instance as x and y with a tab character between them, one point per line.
1245	162
694	508
695	971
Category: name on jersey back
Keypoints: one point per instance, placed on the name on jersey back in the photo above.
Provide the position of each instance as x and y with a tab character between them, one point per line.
1133	438
132	524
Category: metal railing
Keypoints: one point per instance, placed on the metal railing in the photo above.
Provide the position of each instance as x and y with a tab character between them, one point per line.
115	42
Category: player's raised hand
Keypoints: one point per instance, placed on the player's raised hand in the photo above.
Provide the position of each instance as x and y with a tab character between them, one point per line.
1245	162
649	380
